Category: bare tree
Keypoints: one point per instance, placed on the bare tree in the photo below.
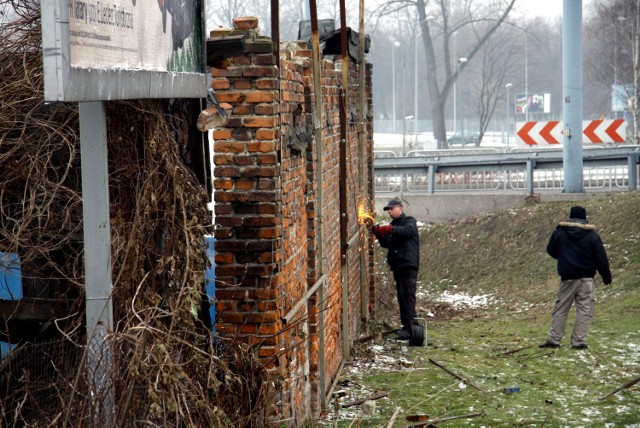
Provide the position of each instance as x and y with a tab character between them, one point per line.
612	60
441	21
497	62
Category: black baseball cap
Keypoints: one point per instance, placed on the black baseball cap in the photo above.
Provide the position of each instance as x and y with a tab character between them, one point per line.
392	203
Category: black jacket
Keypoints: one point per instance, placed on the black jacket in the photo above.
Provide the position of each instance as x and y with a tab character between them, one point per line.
403	244
579	251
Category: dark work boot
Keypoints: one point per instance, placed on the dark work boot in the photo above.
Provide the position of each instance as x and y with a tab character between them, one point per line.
404	333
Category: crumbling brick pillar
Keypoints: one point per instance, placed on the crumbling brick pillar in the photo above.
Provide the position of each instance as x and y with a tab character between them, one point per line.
267	222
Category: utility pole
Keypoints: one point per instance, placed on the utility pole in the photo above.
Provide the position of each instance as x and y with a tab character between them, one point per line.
572	95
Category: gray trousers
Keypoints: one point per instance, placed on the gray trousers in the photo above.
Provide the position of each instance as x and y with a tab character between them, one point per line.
582	291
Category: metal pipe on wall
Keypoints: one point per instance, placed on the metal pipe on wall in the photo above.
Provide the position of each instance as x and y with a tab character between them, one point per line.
362	70
317	88
275	28
344	218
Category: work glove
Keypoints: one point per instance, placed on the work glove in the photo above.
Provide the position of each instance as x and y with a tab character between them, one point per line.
382	231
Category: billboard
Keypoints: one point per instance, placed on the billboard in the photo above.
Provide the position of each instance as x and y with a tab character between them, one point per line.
122	49
533	103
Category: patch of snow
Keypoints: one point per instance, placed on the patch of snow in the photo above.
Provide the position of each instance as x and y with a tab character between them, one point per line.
458	300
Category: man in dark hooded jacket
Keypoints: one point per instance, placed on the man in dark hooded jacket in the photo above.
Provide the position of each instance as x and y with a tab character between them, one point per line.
580	254
403	257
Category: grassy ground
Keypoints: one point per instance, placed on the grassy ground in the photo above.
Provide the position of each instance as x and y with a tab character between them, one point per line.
500	261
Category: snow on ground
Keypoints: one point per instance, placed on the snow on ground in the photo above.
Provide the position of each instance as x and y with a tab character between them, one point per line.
463	300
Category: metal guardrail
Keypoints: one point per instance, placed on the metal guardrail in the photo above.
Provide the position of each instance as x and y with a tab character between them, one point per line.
522	171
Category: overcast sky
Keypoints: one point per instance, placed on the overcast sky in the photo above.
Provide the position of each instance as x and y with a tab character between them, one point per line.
546	8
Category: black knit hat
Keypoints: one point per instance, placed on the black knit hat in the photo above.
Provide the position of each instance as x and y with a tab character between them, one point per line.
578	212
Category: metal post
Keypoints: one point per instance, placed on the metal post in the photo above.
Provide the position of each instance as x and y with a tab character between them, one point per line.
394	45
508	86
415	85
572	95
455	93
632	171
97	256
526	76
530	167
431	185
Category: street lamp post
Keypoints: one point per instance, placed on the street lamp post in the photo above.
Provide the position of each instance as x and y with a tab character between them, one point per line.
508	86
404	132
455	91
394	45
615	92
415	78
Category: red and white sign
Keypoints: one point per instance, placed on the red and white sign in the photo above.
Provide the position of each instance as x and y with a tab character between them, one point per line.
550	133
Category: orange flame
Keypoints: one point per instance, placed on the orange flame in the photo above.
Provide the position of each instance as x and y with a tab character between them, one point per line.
363	216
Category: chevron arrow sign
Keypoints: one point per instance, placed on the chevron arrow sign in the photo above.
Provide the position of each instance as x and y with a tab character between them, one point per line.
550	133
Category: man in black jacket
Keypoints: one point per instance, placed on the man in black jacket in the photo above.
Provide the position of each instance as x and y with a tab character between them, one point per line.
403	256
580	254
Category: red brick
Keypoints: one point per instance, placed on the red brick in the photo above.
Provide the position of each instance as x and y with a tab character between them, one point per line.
242	134
230	97
245	184
265	184
221	134
263	171
242	84
223	159
260	71
267	159
247	329
228	147
228	72
270	233
259	122
264	59
266	134
261	97
262	317
261	221
223	184
244	109
266	109
245	23
230	317
231	270
220	84
266	83
261	146
224	258
245	160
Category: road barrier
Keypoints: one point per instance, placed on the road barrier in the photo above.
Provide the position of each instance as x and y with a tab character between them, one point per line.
527	171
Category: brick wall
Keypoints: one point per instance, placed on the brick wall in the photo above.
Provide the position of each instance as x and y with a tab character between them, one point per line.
268	232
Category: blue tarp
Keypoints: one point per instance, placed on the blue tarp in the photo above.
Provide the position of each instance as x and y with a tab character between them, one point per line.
10	286
210	279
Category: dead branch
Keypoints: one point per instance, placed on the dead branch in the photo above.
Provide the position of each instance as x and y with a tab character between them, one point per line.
443	419
454	374
396	412
514	351
362	400
620	388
